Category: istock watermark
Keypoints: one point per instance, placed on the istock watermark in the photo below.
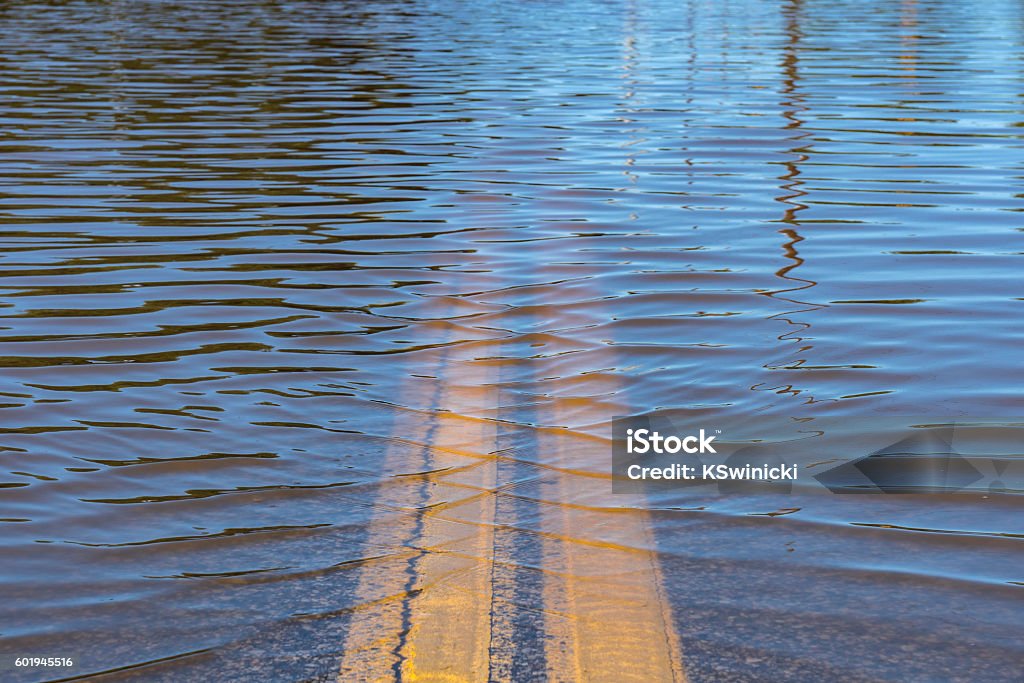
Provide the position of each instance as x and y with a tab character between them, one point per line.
645	440
869	454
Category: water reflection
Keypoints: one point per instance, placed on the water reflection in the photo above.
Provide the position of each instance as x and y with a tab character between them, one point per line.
793	105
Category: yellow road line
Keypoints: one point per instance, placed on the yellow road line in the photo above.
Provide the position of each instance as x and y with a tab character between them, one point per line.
427	607
610	618
450	616
607	619
428	616
426	611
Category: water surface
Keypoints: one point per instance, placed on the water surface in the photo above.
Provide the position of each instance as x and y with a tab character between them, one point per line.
258	257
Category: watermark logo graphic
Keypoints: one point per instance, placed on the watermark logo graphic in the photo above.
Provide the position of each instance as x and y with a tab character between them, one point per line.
921	462
651	441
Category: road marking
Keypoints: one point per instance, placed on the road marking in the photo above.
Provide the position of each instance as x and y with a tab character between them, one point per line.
611	620
425	612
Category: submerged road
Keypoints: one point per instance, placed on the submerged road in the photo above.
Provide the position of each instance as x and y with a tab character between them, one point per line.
573	594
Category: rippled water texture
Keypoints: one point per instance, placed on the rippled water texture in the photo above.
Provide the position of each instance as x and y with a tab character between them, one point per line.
314	317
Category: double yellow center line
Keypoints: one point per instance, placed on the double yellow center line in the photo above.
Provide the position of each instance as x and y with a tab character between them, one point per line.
425	609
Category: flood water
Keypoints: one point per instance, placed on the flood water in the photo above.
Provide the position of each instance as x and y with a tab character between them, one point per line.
290	290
